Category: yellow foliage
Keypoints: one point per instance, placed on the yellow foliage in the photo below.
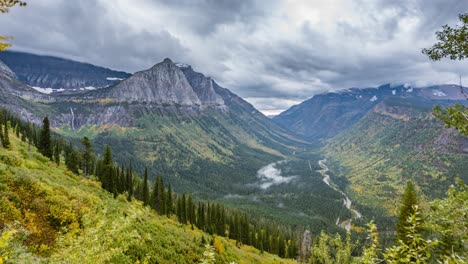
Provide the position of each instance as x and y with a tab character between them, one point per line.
218	245
6	235
3	44
8	211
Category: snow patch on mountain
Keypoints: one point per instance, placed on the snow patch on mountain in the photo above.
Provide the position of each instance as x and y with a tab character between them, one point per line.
47	90
114	79
438	93
182	65
374	98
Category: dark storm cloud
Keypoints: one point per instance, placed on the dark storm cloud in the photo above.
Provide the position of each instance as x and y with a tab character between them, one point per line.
274	53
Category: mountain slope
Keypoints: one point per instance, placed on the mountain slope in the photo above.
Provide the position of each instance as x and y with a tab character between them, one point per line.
212	145
396	141
326	115
57	74
58	217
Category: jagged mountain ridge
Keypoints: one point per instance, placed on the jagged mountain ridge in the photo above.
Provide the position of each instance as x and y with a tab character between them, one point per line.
325	115
54	74
164	84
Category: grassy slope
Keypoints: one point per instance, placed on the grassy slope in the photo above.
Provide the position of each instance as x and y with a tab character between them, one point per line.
62	218
385	149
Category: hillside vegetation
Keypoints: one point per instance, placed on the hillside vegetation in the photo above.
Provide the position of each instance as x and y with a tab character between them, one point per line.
397	142
49	215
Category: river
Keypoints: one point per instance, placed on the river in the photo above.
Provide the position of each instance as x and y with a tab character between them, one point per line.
347	223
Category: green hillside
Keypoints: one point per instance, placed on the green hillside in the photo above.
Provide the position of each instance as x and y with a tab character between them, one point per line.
49	215
398	141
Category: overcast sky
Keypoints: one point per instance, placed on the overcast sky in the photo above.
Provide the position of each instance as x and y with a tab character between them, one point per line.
273	53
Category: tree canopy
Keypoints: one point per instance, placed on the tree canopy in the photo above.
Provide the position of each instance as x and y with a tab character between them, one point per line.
452	43
5	6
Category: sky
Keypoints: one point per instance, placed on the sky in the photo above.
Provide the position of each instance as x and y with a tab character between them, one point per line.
273	53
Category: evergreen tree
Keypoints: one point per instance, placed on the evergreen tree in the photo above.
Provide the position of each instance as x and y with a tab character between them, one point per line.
108	171
57	154
45	146
184	209
87	155
162	200
179	209
190	210
72	161
6	135
129	182
145	191
409	200
169	205
155	195
2	137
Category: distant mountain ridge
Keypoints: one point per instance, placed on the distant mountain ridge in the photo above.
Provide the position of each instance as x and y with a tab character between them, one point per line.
50	74
325	115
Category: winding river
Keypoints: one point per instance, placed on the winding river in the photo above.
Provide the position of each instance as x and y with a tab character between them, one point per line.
346	223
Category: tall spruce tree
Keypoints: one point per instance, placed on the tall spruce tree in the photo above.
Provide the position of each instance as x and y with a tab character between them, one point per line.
107	177
409	200
6	135
169	205
45	145
161	193
146	195
154	195
87	154
57	154
129	182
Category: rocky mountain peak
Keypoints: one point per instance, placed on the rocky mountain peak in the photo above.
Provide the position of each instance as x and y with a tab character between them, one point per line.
164	83
167	60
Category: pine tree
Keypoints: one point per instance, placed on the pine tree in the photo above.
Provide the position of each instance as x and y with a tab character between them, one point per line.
129	182
145	192
87	155
162	200
179	209
409	200
45	146
155	195
57	154
169	205
108	180
190	210
72	161
184	209
6	135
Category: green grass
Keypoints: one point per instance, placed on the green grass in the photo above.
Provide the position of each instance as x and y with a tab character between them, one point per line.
59	217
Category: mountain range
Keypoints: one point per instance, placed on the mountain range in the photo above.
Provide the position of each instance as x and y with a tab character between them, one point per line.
208	141
49	74
325	115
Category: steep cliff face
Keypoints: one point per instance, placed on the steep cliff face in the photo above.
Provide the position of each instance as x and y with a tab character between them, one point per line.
203	86
164	83
326	115
54	74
